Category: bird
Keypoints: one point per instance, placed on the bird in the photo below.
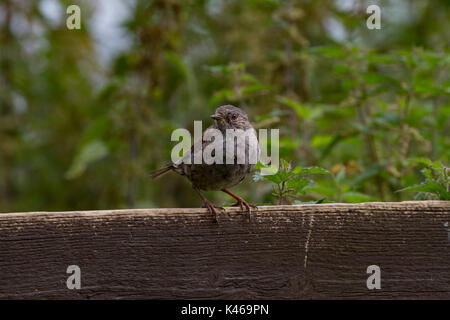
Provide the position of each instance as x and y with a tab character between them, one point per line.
220	176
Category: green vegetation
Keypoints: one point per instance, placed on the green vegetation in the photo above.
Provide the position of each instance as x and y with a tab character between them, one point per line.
437	181
289	182
79	131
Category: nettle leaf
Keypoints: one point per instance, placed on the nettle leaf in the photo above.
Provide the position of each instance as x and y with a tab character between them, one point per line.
430	186
279	177
310	170
298	184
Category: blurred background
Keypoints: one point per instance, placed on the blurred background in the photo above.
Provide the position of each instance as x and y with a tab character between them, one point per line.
86	114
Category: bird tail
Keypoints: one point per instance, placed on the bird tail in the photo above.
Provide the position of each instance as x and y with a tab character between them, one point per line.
157	173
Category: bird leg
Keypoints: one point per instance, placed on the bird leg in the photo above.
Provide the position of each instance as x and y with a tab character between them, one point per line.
209	205
241	202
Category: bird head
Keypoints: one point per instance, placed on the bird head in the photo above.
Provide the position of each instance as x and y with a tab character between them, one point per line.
230	117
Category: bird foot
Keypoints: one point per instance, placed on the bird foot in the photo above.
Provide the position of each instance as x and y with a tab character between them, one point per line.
242	203
212	209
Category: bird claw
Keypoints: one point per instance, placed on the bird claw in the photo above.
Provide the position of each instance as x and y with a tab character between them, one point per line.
241	203
212	209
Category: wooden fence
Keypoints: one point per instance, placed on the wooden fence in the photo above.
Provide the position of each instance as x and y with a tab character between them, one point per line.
284	252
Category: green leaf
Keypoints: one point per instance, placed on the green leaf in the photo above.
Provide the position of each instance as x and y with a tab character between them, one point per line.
279	177
285	164
331	52
302	111
255	88
430	186
341	69
437	165
259	165
248	77
428	173
97	130
424	161
298	184
373	78
90	153
320	140
340	176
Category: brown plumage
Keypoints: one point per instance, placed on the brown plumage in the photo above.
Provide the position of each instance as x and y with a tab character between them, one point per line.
219	176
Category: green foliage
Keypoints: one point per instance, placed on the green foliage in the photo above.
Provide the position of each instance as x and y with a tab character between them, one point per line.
78	131
245	86
339	189
437	181
289	182
91	152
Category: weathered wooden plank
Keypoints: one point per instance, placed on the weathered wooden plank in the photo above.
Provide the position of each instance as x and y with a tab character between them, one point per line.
285	252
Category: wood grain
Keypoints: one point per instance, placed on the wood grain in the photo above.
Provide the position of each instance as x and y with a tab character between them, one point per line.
285	252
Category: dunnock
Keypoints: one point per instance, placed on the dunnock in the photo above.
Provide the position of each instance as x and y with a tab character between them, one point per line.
220	176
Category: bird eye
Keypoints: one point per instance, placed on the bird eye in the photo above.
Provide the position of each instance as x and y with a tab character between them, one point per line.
233	117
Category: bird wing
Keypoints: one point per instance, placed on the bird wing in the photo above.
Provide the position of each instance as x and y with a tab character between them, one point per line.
196	148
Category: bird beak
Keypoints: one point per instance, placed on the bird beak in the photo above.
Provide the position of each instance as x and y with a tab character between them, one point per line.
216	117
